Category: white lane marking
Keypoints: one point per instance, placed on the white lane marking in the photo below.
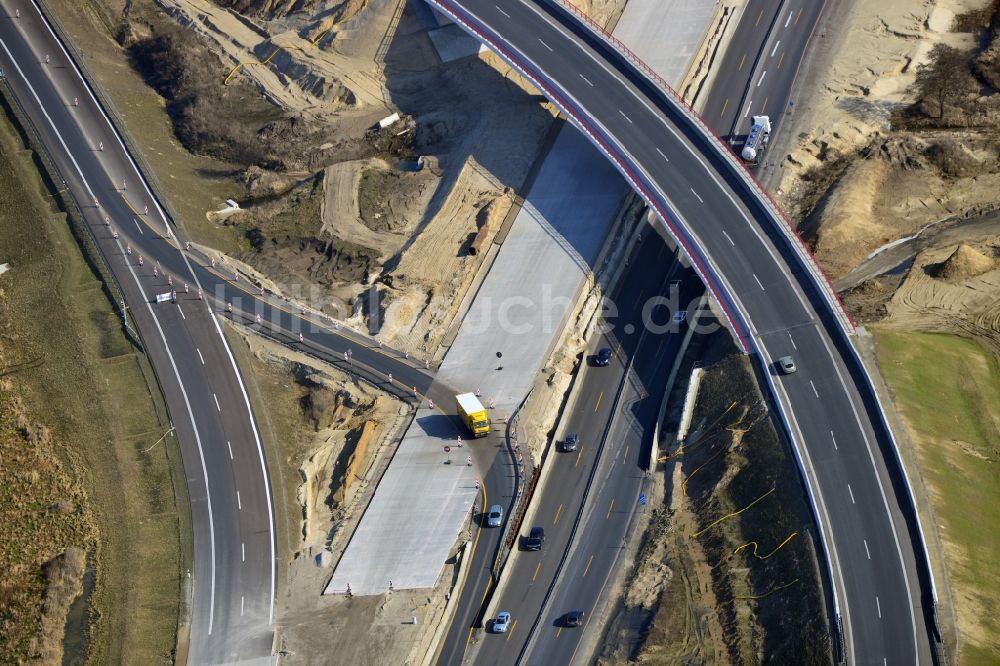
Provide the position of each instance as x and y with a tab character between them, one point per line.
788	20
230	447
239	503
243	552
696	194
136	222
217	402
272	540
200	356
241	606
775	48
624	116
834	441
145	298
747	112
792	340
814	491
761	79
885	502
815	392
867	552
729	238
662	154
181	310
878	607
502	11
759	283
690	149
851	492
545	45
587	80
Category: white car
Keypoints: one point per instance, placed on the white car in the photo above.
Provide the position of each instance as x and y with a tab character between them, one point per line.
502	622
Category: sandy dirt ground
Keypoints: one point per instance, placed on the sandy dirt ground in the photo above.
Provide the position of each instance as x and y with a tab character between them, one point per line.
478	130
953	289
892	191
320	75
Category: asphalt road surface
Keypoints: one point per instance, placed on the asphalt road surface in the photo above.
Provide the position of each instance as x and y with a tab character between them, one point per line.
576	563
756	73
775	302
233	581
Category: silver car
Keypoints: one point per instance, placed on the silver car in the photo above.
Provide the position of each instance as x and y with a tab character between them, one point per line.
502	622
494	516
787	364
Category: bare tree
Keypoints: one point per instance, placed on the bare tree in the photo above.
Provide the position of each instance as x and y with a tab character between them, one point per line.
945	77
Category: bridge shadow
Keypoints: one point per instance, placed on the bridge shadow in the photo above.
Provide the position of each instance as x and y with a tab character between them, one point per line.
471	117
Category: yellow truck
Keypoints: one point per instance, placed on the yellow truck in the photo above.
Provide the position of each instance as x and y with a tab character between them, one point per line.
473	414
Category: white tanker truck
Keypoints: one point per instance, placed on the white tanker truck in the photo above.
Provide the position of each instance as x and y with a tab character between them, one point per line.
760	133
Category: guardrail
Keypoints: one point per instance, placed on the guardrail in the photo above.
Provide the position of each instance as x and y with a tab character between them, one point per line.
845	326
81	230
725	151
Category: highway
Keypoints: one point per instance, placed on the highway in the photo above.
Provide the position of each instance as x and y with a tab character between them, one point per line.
561	500
776	302
233	581
756	74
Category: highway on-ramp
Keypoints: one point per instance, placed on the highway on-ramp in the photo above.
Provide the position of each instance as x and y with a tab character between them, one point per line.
233	581
776	301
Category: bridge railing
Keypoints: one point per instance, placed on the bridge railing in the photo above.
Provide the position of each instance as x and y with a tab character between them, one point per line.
724	149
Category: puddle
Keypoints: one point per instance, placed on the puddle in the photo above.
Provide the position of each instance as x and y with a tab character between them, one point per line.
78	621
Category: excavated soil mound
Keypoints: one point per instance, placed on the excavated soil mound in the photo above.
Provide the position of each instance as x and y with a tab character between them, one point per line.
964	263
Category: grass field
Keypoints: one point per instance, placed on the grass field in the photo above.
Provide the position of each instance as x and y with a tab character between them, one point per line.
947	389
66	364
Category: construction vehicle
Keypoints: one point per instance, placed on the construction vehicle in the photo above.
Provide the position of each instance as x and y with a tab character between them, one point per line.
760	134
473	414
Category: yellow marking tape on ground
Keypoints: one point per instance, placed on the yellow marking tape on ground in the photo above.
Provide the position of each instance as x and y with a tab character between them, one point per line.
734	513
770	592
764	557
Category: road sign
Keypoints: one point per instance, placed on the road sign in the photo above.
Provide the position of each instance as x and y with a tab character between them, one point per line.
447	449
642	499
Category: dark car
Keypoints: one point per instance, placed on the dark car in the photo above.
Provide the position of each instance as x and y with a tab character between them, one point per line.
536	537
574	618
571	441
603	357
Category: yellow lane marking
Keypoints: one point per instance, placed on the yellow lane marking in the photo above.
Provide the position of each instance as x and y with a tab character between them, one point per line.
587	569
725	105
537	568
625	457
608	514
558	631
558	513
743	61
759	16
475	544
578	454
598	403
511	630
764	107
781	59
798	15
